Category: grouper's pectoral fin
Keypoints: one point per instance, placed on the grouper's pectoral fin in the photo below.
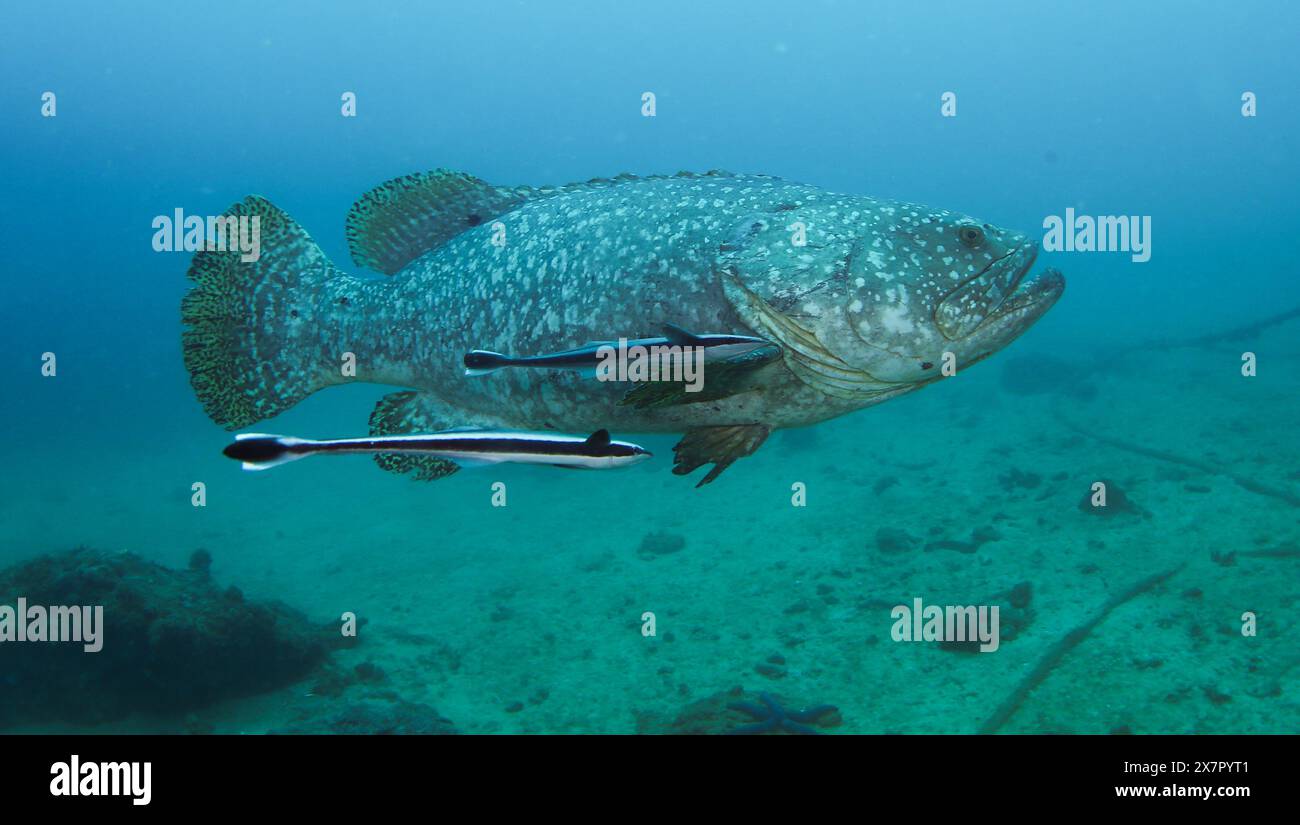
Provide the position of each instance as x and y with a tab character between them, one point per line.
717	445
718	379
411	412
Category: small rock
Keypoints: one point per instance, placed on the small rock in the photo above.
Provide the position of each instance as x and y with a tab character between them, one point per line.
1021	595
502	614
201	562
1019	478
660	543
894	540
1215	696
369	672
1117	501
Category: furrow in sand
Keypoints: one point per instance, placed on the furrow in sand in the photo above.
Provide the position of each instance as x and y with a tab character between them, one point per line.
1064	645
1244	481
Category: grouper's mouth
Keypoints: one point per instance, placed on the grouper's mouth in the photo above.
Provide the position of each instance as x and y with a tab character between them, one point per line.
1024	305
975	300
1028	299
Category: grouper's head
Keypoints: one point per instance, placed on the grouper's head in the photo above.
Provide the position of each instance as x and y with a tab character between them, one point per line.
882	294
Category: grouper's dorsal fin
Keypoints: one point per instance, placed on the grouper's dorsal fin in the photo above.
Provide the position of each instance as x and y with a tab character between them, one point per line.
628	177
398	221
536	192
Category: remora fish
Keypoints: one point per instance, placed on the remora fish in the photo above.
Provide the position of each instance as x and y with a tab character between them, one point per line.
586	358
259	451
864	296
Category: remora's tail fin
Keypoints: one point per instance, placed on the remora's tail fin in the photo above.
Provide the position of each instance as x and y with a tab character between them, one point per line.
259	451
484	362
246	318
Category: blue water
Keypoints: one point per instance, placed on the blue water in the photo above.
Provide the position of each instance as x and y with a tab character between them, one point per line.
1113	110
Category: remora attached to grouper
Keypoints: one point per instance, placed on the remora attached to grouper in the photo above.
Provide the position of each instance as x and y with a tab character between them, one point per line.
863	311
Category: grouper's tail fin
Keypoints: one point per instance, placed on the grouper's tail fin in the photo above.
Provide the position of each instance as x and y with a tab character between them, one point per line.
240	347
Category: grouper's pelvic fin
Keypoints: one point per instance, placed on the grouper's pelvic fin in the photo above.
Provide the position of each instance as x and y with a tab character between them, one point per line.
404	412
398	221
250	323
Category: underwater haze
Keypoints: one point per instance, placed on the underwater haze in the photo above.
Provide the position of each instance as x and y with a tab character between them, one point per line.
1111	485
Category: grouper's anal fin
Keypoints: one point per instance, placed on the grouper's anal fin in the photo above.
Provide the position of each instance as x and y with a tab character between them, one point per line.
411	412
398	221
720	446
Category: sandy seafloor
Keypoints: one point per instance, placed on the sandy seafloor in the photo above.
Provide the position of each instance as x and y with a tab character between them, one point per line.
472	608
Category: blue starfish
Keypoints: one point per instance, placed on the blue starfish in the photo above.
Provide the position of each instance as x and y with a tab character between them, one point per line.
770	717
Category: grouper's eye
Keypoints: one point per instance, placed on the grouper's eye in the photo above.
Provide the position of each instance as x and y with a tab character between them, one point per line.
972	236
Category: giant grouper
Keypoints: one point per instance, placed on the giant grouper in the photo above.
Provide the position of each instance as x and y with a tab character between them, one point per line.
867	299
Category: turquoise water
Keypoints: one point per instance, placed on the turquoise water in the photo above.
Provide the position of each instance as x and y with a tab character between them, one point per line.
528	618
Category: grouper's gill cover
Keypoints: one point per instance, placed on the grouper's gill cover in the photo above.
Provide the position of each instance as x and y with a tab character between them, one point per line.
879	292
862	311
